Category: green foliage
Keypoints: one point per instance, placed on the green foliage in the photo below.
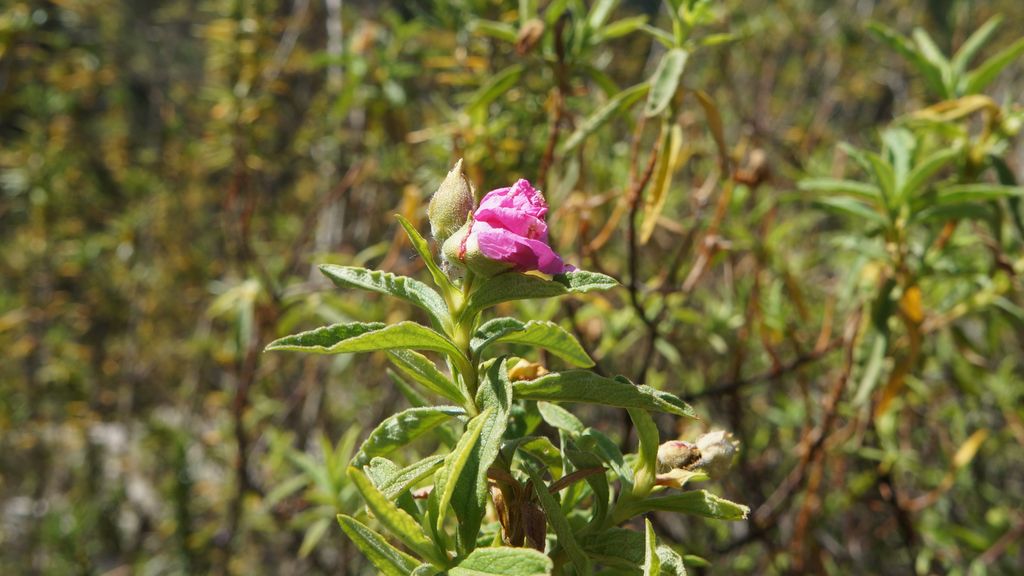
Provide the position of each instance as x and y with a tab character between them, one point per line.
172	173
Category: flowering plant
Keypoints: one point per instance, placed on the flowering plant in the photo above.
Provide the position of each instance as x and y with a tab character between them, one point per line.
506	495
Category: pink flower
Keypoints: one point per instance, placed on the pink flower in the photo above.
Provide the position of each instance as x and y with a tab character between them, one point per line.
508	227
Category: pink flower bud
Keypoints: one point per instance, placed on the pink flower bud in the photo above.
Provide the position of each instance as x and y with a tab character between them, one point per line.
506	231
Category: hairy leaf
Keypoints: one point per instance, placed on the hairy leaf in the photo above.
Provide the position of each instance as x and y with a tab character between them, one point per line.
694	502
515	286
367	337
389	560
456	462
420	369
407	289
394	484
542	334
396	520
587	387
560	418
652	563
400	429
503	561
422	248
470	488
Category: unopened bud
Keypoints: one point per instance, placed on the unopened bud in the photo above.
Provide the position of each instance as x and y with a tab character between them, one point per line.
717	449
677	454
451	204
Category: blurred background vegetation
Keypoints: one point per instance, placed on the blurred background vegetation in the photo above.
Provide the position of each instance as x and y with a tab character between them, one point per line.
172	170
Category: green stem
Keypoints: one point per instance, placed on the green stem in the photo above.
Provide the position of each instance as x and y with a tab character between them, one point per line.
462	335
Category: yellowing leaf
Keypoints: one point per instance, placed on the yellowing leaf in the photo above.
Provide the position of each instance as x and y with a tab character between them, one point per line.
670	155
969	448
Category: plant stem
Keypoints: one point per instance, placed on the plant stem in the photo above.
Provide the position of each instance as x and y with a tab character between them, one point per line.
463	329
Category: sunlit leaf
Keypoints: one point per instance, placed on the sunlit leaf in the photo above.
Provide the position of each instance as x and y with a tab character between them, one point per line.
423	371
385	557
402	287
587	387
515	286
539	333
398	522
400	429
366	337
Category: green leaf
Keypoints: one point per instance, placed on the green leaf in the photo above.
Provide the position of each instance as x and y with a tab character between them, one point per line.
665	81
902	45
617	547
540	448
1006	176
884	174
671	562
515	286
395	520
412	395
313	535
469	500
899	144
499	30
599	13
407	289
983	75
367	337
399	429
581	281
980	192
394	485
503	561
852	207
969	49
498	84
559	523
420	245
560	418
619	28
420	369
853	188
694	502
389	560
953	212
542	334
929	51
621	101
598	484
587	387
661	36
456	462
924	170
652	563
